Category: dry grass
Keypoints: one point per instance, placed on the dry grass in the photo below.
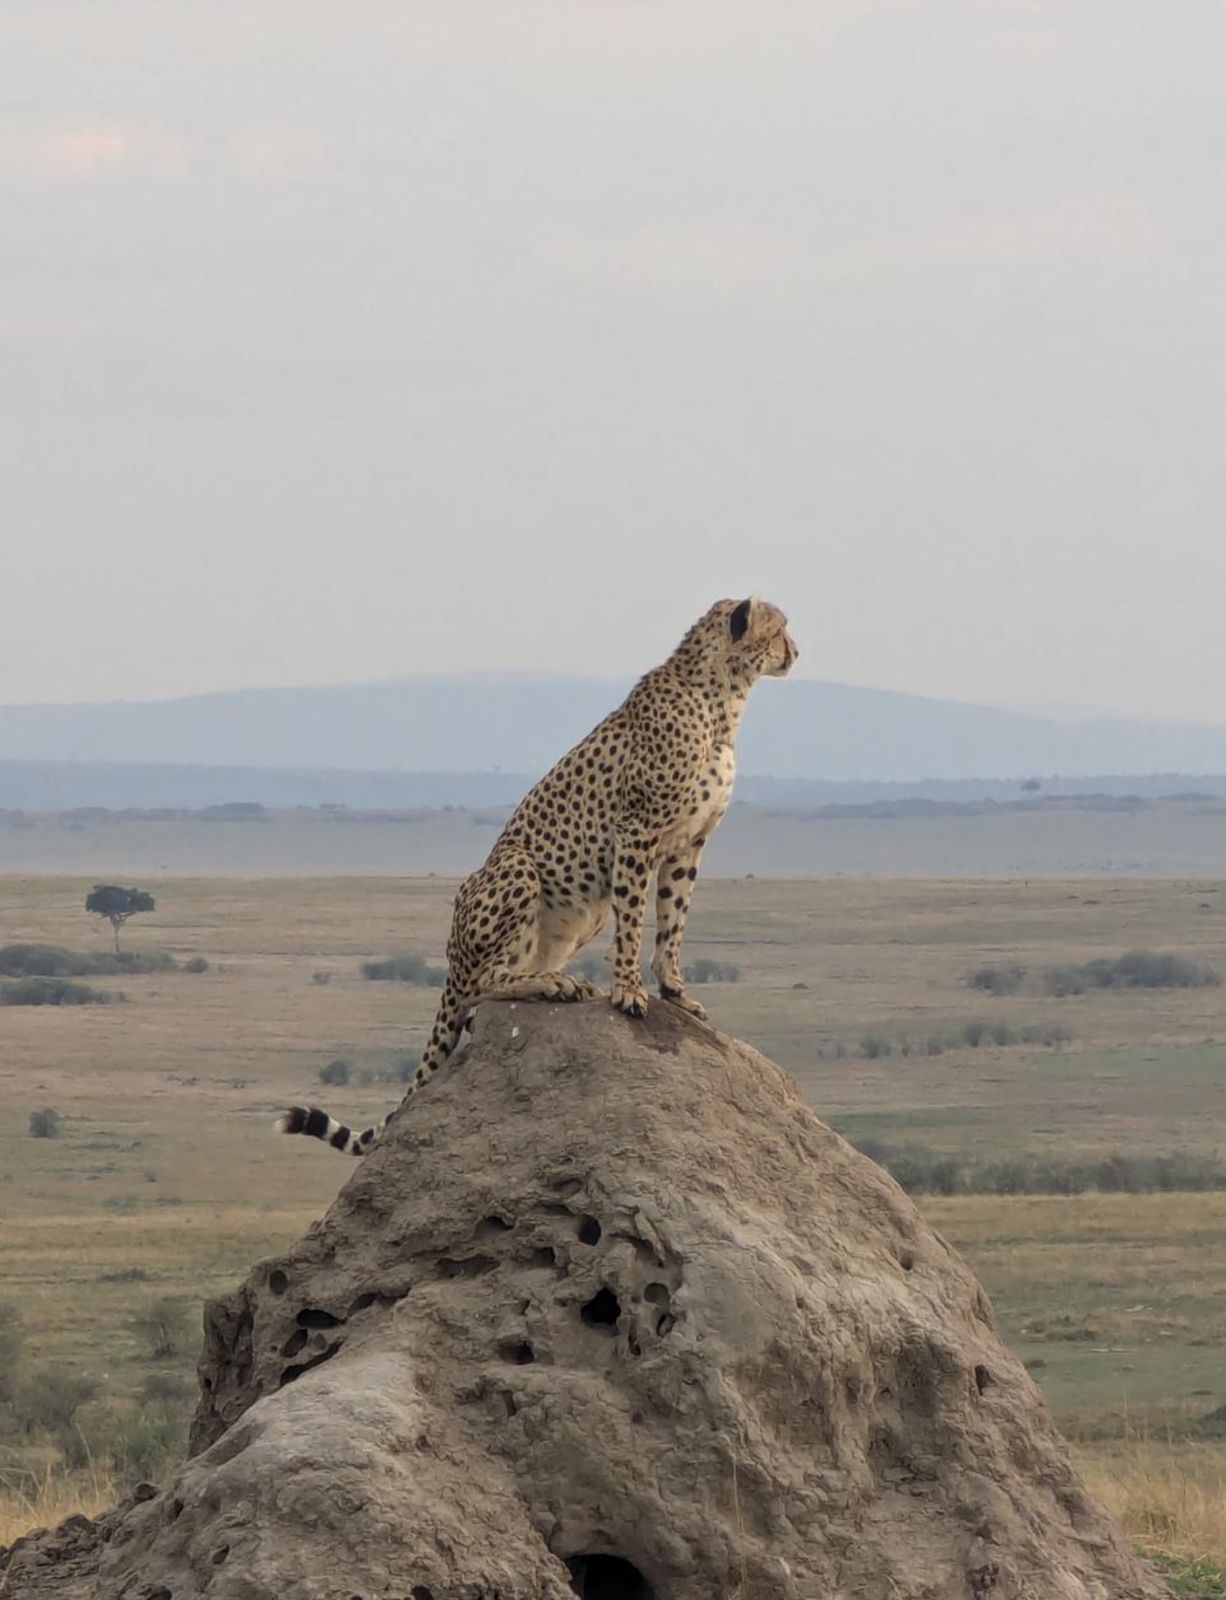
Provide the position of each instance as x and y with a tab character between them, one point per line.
1170	1496
43	1499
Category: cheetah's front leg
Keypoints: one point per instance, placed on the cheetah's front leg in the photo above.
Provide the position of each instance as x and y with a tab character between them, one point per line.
674	891
633	853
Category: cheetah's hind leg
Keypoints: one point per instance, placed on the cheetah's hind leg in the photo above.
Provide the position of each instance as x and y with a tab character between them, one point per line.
506	931
504	983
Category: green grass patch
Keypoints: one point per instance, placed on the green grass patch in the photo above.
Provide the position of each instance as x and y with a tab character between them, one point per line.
1193	1576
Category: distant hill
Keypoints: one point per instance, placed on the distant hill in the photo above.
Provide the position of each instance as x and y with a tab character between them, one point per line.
490	725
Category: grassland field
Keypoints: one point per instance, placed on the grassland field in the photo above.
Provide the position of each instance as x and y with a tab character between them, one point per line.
166	1181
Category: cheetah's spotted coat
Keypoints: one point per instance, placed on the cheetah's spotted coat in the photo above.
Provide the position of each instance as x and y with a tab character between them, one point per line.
640	796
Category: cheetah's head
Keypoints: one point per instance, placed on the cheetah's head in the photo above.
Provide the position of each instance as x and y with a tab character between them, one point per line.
754	637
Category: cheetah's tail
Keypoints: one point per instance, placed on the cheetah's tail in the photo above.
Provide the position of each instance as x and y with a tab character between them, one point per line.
310	1119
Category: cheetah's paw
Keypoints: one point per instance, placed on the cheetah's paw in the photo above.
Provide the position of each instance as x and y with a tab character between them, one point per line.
586	990
630	1001
564	987
679	998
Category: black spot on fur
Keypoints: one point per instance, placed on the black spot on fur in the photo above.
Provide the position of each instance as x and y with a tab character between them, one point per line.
316	1123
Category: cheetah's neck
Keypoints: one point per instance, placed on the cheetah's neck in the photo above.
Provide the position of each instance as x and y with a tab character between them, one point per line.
723	698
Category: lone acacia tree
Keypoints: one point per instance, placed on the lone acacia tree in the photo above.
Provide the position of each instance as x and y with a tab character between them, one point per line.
117	905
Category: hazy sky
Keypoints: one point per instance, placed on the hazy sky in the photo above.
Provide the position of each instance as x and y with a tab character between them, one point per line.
341	341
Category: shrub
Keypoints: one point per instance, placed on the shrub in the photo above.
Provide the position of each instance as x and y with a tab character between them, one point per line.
593	968
49	1400
137	961
165	1328
921	1171
1059	1177
1119	1174
1181	1172
704	970
405	969
143	1443
1045	1033
45	1124
54	961
53	992
11	1341
336	1072
1136	969
997	980
875	1149
196	964
1151	969
970	1035
41	961
166	1389
945	1176
1064	980
1007	1177
320	978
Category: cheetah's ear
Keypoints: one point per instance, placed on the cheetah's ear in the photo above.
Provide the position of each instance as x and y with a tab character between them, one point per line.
740	618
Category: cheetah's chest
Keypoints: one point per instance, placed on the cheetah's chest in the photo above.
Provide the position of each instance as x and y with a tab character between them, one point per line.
709	792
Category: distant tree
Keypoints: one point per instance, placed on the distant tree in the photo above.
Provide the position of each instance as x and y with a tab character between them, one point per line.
45	1124
1031	786
117	905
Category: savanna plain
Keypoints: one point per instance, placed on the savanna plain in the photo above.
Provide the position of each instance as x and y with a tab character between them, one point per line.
1060	1124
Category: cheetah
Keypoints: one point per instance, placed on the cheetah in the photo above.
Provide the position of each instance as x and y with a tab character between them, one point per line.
640	796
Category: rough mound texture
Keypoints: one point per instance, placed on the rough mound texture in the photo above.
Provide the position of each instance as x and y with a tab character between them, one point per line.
610	1313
